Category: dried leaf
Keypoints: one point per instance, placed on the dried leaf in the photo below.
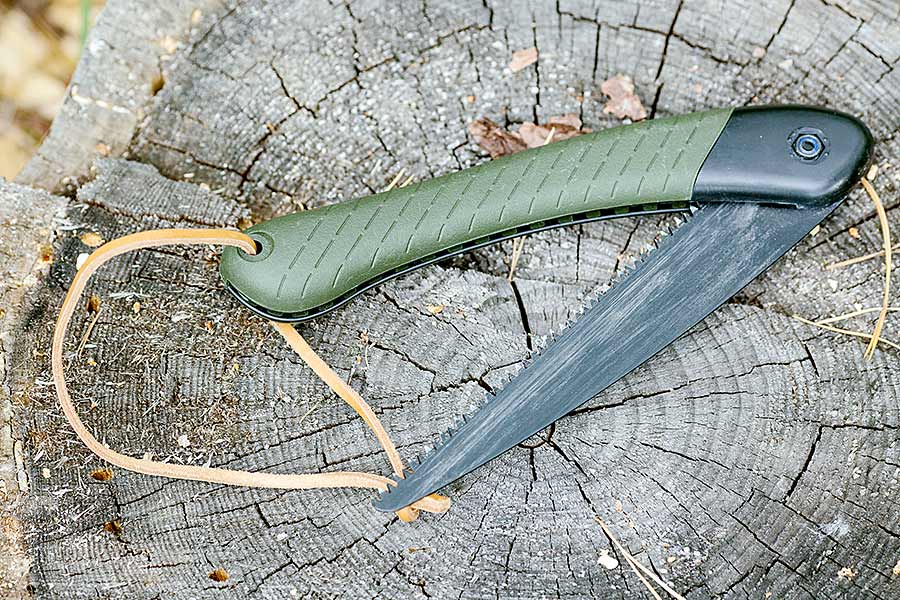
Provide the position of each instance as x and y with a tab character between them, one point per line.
854	233
555	130
435	308
46	254
113	527
523	58
500	142
219	575
93	304
623	102
495	140
104	474
846	573
569	120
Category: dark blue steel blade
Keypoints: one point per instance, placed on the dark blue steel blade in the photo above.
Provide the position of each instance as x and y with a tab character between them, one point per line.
697	268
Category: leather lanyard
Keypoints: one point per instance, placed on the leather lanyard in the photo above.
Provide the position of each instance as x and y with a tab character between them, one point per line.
167	237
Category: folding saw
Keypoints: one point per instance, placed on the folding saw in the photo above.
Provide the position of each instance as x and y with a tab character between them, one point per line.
753	182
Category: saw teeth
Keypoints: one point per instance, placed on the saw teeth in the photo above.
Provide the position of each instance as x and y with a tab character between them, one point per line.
541	342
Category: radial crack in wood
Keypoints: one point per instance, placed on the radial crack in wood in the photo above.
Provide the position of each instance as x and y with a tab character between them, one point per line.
755	455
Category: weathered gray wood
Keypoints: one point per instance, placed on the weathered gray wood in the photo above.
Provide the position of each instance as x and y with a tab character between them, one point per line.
27	219
755	455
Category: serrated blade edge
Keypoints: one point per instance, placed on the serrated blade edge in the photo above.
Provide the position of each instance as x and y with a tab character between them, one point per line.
694	270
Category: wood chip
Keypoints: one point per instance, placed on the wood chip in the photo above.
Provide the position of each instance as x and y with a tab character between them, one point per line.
523	58
219	575
606	561
435	309
854	233
91	239
169	44
104	474
623	102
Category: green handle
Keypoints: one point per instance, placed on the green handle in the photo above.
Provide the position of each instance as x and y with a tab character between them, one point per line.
312	261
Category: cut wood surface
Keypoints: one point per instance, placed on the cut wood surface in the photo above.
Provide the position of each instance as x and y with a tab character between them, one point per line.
756	455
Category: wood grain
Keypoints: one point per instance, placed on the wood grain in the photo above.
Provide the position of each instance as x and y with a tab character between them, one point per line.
754	455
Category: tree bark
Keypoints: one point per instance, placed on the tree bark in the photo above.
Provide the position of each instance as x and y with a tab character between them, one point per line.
755	455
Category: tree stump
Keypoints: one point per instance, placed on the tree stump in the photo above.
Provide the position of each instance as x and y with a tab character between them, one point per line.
754	456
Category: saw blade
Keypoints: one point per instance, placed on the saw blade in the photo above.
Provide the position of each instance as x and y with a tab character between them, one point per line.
702	264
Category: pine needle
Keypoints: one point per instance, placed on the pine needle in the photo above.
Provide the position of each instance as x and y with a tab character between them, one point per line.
518	244
859	259
886	298
87	332
395	180
849	332
855	313
550	136
637	567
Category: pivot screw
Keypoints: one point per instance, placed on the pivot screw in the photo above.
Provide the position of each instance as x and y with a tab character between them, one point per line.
808	146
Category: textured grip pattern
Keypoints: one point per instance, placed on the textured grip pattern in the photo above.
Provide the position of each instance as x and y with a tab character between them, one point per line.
312	258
